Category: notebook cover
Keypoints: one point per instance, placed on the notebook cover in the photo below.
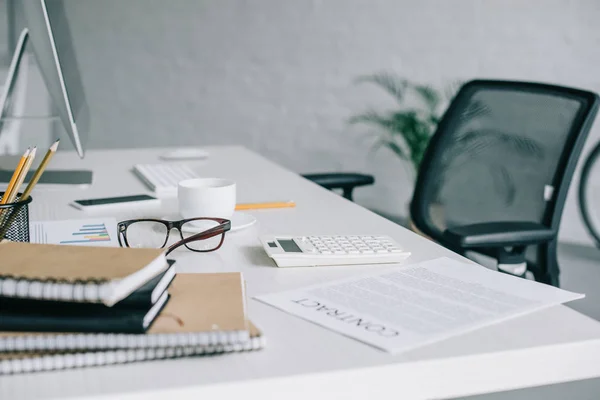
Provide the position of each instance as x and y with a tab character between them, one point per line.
45	317
140	299
199	303
204	302
32	261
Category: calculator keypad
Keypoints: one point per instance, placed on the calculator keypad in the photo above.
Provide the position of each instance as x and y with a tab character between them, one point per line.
347	245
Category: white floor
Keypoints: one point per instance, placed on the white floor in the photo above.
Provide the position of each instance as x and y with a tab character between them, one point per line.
580	268
581	272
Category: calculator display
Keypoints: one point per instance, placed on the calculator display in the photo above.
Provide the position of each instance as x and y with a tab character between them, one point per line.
289	246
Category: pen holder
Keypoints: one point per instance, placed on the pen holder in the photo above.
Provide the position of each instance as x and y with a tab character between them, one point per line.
14	220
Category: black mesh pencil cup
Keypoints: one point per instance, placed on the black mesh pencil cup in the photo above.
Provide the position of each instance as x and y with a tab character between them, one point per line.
14	220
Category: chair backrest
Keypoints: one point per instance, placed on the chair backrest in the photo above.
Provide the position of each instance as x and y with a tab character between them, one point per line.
503	151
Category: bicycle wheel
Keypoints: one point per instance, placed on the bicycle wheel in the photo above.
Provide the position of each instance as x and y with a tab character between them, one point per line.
589	194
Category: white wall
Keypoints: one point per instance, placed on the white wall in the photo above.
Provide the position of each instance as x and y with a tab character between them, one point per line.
3	31
276	76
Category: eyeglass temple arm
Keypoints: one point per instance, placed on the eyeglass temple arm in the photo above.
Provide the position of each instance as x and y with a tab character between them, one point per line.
217	230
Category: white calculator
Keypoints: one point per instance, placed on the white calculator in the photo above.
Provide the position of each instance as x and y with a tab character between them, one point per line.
309	251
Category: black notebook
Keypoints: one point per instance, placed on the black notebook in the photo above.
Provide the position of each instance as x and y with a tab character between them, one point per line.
46	316
149	294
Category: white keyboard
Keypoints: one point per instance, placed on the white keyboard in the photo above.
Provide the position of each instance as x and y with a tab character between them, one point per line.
163	178
305	251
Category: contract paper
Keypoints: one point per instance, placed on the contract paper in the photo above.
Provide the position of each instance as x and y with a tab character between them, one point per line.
409	306
75	232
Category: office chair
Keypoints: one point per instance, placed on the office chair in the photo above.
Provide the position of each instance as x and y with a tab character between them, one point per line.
496	173
347	182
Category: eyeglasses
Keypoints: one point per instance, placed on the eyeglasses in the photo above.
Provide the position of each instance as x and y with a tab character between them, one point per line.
197	234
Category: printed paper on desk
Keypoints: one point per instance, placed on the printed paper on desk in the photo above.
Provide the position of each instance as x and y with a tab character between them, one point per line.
406	307
75	232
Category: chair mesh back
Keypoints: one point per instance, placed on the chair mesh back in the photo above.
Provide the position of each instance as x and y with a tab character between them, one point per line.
499	154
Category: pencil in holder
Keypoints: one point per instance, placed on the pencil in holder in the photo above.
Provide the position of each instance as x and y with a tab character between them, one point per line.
14	220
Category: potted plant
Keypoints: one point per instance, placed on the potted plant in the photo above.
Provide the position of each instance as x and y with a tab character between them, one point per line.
406	130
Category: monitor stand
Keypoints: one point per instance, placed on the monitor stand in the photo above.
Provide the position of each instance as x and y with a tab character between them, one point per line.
8	98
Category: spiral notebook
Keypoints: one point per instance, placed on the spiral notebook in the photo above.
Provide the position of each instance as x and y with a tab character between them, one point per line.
74	273
204	310
143	297
15	363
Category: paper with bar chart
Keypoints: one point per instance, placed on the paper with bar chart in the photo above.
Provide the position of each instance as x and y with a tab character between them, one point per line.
75	232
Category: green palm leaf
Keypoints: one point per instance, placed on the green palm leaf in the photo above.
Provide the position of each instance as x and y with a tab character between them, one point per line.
429	95
392	84
452	88
370	118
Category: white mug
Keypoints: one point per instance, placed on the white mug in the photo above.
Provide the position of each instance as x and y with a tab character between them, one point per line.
206	197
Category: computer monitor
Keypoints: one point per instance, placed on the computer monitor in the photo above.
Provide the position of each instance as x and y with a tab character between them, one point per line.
48	30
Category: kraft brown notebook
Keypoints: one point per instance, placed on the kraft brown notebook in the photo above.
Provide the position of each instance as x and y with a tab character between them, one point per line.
203	310
76	273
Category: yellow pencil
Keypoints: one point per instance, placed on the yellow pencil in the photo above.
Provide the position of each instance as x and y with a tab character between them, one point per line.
22	175
15	176
273	204
40	170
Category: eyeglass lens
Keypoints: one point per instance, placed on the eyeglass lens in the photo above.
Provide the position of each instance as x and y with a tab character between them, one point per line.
148	234
193	227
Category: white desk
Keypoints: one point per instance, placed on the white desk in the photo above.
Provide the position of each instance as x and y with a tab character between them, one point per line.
303	360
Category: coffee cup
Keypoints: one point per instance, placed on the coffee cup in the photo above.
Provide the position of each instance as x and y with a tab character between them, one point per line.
206	197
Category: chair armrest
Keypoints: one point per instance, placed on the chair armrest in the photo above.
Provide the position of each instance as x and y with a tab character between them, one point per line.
498	234
340	180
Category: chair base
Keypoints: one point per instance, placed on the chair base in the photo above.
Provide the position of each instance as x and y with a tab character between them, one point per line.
514	269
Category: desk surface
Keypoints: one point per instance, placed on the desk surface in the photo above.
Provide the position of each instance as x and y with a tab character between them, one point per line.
302	360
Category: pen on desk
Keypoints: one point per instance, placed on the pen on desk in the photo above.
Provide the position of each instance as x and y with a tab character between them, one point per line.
15	176
272	204
40	170
13	194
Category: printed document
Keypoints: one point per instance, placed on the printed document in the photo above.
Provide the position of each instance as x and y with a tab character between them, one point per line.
75	232
409	306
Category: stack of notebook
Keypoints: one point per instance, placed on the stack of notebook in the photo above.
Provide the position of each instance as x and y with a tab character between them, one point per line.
66	306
